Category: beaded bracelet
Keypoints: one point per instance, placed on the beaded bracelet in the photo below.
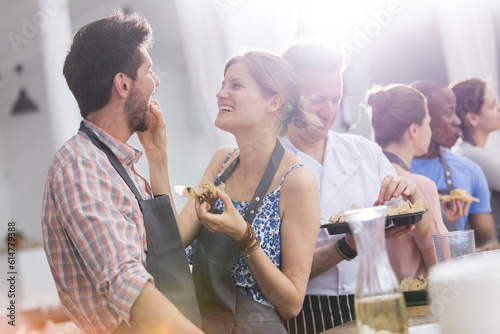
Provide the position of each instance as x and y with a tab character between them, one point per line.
249	243
345	250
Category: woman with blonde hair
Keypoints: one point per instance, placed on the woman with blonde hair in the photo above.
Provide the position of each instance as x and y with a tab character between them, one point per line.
402	128
251	263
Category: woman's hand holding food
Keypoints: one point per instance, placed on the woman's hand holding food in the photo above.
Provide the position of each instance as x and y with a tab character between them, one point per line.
229	223
155	138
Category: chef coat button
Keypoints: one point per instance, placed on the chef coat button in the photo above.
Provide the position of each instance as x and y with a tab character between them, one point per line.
252	212
257	198
449	181
344	287
448	173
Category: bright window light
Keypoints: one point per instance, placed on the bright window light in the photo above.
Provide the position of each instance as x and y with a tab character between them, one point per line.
347	22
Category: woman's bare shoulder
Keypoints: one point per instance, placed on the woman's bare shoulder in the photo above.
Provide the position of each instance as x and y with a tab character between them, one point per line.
297	178
220	155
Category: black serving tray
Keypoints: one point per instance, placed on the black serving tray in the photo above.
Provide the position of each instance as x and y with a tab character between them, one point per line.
337	228
416	298
396	220
406	218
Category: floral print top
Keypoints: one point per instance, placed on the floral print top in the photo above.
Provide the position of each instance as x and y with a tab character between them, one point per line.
267	226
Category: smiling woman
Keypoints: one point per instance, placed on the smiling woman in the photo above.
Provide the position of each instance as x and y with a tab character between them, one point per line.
255	243
254	75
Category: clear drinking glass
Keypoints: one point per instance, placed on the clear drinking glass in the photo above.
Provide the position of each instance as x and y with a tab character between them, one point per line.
451	245
380	305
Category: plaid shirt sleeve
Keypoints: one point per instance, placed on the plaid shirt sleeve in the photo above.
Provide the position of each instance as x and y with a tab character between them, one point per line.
101	221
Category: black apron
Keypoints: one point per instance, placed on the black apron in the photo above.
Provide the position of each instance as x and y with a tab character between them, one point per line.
396	160
223	307
166	258
451	226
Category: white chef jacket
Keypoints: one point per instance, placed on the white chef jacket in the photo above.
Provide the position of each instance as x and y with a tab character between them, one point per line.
352	172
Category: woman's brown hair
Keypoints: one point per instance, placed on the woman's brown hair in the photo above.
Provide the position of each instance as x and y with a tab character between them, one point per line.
393	109
470	97
275	76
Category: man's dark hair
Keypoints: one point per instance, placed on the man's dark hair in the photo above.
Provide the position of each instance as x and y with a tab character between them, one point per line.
312	56
426	87
99	51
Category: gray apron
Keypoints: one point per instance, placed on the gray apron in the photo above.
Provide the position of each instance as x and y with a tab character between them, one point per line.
166	258
451	226
224	309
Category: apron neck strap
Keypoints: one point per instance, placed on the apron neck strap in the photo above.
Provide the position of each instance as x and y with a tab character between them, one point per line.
447	173
264	183
469	140
113	159
397	160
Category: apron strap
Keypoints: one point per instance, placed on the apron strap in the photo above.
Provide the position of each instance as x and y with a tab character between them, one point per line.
218	296
224	176
166	259
397	160
468	139
447	173
112	158
450	225
264	183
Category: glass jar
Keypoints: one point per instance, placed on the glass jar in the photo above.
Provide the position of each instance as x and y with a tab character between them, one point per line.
380	305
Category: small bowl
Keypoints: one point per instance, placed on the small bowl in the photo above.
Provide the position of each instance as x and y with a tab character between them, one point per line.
417	298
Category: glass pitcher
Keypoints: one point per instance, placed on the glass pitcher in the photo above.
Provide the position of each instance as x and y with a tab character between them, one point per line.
380	305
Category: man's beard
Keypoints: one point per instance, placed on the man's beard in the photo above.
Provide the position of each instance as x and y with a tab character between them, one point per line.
136	112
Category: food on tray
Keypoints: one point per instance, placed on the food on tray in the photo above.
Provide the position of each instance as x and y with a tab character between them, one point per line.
207	192
409	284
458	194
405	207
340	216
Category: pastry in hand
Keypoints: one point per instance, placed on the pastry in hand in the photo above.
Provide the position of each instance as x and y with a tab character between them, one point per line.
207	192
458	194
